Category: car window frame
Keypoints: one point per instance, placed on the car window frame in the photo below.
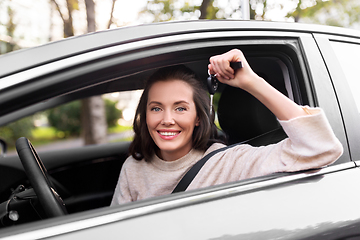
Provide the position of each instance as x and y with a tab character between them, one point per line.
350	116
162	50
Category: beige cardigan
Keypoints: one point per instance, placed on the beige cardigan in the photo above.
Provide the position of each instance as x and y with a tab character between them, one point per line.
311	144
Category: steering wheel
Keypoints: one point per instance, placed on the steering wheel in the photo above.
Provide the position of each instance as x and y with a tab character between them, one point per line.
39	180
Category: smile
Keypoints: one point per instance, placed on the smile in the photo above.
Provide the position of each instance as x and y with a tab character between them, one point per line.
168	135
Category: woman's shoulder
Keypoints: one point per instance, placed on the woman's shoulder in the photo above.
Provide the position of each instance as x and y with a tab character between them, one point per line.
132	163
214	147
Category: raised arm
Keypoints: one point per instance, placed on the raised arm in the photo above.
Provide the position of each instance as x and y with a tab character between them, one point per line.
246	79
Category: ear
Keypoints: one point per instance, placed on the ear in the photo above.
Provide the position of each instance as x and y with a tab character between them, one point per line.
197	121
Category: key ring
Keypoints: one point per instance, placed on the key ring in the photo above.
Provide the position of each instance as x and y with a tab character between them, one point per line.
213	83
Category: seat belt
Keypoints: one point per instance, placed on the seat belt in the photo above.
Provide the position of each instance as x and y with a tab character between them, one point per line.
191	174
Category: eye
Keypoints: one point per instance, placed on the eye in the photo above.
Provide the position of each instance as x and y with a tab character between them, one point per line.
155	109
180	109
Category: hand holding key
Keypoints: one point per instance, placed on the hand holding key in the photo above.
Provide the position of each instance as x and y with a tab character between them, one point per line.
212	82
246	79
220	66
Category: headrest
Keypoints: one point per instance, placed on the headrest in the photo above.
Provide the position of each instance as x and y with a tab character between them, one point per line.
242	116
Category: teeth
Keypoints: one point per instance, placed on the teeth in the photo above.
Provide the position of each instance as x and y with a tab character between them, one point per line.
168	133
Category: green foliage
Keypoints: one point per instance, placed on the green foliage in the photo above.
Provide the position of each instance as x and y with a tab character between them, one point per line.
342	13
44	133
10	26
211	11
166	10
66	118
302	11
74	4
112	113
64	121
119	128
21	128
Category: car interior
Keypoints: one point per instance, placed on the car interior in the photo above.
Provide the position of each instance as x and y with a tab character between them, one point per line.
85	177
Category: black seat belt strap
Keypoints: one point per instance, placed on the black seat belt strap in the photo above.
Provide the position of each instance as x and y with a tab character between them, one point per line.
190	175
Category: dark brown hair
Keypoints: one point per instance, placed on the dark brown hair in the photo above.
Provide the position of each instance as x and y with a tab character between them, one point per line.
143	146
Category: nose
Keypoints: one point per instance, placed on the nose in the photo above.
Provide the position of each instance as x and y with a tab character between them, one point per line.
168	119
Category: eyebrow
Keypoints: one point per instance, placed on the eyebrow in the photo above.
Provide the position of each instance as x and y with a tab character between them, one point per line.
175	103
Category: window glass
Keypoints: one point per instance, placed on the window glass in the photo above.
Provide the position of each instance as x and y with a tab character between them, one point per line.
60	127
349	57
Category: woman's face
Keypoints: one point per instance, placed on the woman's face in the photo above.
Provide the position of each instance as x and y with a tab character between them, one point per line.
171	118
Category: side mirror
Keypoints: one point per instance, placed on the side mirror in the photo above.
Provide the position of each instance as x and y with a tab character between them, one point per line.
3	148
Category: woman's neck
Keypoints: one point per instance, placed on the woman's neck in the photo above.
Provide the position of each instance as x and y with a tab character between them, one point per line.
172	155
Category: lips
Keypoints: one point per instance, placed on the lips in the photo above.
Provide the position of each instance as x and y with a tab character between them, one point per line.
168	134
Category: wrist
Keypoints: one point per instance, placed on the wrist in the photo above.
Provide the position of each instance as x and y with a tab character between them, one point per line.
253	84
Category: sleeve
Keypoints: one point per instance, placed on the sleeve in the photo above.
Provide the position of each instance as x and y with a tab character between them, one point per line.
122	192
311	143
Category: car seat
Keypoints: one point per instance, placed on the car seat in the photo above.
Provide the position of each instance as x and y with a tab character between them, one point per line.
245	119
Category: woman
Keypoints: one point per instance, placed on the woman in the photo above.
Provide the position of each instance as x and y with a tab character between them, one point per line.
173	131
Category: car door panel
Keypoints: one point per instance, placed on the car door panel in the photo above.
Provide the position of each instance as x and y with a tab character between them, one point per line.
301	205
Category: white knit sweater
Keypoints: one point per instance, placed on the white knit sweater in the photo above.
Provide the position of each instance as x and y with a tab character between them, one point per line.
311	144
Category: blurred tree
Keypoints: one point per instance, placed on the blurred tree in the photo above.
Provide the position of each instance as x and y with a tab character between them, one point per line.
11	132
113	114
111	20
10	29
93	116
204	9
258	9
165	10
342	13
66	118
330	12
7	41
66	17
21	128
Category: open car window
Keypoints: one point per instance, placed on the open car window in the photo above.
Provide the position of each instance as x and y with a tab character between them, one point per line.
59	127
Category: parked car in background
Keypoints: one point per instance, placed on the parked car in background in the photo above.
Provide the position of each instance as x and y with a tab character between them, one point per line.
313	65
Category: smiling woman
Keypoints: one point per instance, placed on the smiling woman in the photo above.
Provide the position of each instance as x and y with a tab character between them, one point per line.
171	118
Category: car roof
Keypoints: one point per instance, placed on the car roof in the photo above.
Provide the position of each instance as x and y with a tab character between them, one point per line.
28	58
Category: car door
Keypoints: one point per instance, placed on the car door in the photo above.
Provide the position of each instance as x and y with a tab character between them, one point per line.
290	205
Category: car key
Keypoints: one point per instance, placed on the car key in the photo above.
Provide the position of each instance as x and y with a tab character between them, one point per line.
213	83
